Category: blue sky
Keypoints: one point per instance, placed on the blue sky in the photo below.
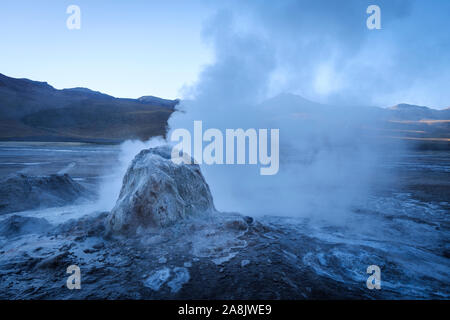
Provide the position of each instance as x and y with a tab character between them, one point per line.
124	48
322	49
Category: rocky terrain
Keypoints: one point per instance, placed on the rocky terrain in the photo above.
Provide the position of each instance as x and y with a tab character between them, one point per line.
148	248
222	257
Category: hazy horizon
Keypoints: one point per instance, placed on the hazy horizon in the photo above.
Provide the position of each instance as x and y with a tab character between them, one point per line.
271	97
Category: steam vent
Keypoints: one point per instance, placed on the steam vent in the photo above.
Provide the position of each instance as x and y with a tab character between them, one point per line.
157	193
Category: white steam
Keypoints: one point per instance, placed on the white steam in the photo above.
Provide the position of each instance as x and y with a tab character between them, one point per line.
328	161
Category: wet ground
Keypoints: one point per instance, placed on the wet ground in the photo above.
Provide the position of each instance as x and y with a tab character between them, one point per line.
403	228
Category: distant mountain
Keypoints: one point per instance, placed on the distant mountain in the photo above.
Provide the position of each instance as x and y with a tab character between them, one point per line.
428	128
32	110
425	127
412	112
287	102
158	101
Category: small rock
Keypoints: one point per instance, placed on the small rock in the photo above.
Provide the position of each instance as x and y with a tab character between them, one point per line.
18	225
157	279
162	260
180	278
237	224
53	261
244	263
20	192
98	245
124	264
248	219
